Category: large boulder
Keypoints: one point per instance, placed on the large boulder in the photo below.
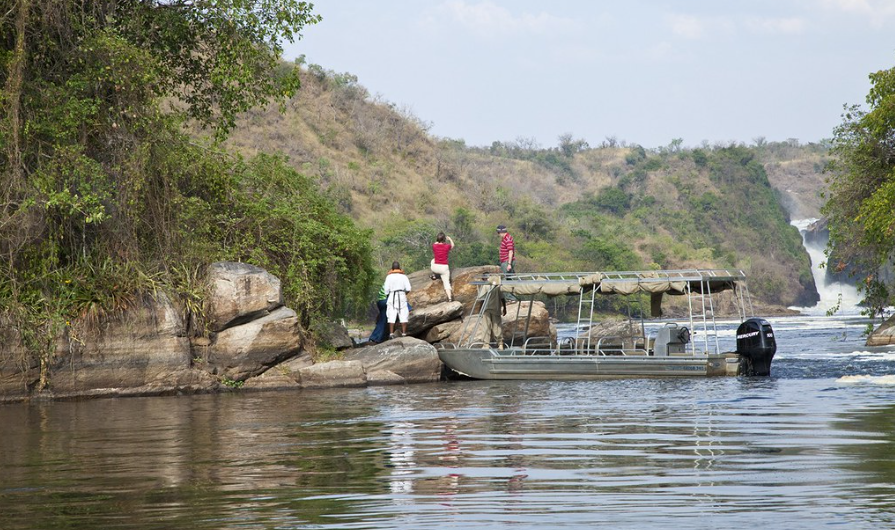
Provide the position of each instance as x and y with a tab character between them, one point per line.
335	335
416	361
284	376
442	332
249	349
145	346
333	374
424	318
240	292
513	324
426	292
884	335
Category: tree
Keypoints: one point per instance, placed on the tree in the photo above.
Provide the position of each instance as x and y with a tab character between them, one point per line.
860	202
102	196
568	145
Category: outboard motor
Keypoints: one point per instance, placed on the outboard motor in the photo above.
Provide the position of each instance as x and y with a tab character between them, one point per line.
755	341
671	339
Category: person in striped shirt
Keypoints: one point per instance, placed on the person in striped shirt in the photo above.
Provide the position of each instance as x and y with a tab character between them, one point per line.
507	252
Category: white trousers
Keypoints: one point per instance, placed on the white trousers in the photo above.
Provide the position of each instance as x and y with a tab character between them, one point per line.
445	272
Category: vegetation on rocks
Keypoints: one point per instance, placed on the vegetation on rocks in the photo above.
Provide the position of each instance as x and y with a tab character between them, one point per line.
104	198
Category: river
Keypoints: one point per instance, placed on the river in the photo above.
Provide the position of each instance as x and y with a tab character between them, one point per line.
812	446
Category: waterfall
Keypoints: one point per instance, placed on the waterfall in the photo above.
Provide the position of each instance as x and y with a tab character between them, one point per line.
831	292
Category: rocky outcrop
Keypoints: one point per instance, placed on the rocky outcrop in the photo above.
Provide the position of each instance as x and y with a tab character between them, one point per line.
146	345
422	319
414	360
254	343
333	374
426	292
19	370
513	324
249	349
334	335
240	292
884	335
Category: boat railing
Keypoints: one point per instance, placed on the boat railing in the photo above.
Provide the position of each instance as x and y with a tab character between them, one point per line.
621	345
538	346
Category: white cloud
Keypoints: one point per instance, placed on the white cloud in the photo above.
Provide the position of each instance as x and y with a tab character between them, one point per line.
695	27
687	26
879	12
787	26
488	19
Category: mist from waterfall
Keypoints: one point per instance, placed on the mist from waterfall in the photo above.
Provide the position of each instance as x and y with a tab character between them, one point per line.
831	292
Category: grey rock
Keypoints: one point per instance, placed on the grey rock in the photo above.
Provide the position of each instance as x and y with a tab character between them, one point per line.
273	379
422	319
335	335
144	346
240	292
333	374
384	377
413	359
442	332
249	349
884	335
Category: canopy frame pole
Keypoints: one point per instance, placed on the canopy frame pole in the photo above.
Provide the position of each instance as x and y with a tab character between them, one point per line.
531	304
690	305
705	327
714	322
515	323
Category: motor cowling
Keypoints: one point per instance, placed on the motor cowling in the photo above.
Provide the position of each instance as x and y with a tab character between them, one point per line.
756	342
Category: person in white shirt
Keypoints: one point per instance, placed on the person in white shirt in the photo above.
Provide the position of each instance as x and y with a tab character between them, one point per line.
396	287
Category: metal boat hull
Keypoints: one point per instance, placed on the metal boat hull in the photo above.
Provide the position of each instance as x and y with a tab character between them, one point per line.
503	364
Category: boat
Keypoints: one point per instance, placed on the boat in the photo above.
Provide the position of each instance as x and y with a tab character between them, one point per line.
651	346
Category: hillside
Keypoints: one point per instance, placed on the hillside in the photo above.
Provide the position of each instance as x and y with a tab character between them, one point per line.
570	207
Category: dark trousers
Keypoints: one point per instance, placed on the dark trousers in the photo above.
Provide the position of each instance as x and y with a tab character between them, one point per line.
380	333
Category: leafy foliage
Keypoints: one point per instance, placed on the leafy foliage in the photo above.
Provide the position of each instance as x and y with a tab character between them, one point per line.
861	198
104	199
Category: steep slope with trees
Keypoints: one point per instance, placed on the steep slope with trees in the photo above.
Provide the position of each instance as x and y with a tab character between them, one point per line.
570	207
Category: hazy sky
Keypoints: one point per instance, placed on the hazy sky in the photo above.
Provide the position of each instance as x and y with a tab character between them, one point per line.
642	71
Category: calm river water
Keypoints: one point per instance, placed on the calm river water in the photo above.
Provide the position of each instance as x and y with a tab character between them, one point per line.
812	446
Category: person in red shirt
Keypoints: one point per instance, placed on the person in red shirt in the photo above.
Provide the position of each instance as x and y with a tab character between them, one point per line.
507	252
441	248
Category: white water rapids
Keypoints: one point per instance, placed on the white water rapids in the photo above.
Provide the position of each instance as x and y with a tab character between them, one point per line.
832	293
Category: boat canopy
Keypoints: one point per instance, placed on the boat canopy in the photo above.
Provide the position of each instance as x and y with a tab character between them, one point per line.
677	282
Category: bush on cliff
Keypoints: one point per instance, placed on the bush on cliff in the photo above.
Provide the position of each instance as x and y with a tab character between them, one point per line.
103	197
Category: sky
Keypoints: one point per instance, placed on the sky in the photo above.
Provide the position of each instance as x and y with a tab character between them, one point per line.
638	71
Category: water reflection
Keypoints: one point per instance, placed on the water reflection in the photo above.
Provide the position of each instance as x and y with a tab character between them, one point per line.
788	451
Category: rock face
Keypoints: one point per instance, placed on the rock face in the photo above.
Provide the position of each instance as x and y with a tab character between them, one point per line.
884	334
334	334
145	346
514	322
333	374
254	340
414	360
249	349
240	292
19	371
425	291
424	318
